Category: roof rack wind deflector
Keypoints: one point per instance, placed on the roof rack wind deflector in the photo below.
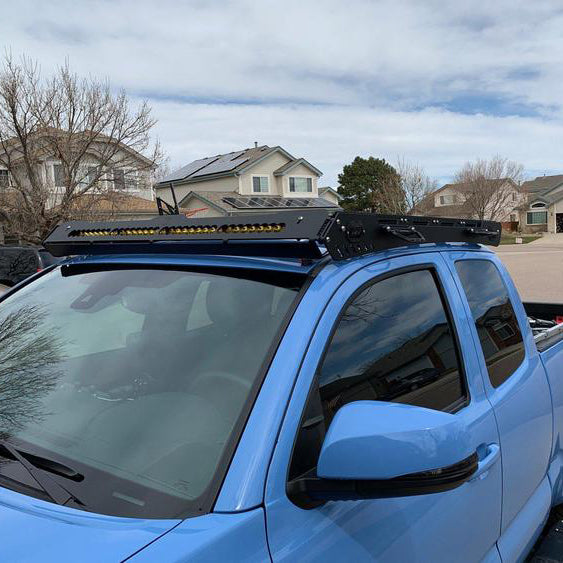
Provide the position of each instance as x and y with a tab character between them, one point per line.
289	234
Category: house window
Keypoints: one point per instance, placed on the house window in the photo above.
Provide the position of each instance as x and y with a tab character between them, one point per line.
513	196
538	205
447	199
131	180
118	179
92	176
4	178
536	217
59	176
260	184
299	184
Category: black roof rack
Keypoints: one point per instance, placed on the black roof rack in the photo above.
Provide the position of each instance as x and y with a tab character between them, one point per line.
299	234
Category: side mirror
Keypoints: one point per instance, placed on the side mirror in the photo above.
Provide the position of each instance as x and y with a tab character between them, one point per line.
375	449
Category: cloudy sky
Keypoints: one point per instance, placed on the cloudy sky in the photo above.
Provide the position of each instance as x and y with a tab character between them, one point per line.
438	83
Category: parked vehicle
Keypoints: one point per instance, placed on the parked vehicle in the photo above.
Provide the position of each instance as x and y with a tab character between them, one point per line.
19	262
301	387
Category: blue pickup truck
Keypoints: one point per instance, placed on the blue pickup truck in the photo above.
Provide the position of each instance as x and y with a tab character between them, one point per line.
292	387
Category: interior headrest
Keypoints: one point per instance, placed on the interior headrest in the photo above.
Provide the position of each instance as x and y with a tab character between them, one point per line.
231	301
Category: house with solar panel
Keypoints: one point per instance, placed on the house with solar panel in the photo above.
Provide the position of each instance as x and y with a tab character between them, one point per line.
246	181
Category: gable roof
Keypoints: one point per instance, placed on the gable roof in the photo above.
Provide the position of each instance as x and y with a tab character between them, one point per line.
541	183
464	187
326	189
52	133
542	188
228	164
292	164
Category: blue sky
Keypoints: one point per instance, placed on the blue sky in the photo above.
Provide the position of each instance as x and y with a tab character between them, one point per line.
437	83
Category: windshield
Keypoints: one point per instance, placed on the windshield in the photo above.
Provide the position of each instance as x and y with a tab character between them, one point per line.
135	382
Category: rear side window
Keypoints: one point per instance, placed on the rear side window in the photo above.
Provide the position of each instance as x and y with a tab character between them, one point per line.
393	342
495	319
47	259
16	261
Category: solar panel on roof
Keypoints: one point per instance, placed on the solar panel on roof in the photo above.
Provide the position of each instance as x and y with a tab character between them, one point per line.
269	202
222	164
189	169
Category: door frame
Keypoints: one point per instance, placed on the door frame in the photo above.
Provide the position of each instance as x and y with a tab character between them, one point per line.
281	523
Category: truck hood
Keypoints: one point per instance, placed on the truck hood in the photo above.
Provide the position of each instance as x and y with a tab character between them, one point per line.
32	528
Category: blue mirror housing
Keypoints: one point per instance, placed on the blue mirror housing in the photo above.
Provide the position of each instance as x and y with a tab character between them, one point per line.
373	440
375	449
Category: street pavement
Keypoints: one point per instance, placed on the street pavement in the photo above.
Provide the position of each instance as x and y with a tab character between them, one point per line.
536	268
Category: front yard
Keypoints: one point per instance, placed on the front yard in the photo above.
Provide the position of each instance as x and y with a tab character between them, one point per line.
510	238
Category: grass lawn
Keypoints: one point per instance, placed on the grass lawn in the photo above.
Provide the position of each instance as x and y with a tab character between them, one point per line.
511	238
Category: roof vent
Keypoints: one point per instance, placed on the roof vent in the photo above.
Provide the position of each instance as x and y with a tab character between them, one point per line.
255	144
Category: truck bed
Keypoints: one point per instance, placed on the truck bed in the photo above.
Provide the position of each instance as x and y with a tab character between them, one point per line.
546	320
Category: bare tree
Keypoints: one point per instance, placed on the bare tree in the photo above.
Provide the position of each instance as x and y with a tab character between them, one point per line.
415	183
97	139
31	354
487	187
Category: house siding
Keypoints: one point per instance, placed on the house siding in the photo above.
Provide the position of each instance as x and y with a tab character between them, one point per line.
329	196
300	170
204	209
229	184
448	192
265	167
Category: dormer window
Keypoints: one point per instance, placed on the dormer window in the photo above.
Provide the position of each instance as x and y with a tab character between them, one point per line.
447	199
260	184
300	184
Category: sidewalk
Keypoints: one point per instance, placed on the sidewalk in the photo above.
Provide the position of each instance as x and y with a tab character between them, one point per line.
548	239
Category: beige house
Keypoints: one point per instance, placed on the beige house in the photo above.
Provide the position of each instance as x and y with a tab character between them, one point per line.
543	211
256	179
453	200
128	172
112	181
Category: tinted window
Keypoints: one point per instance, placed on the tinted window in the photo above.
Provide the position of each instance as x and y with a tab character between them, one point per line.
47	259
98	372
393	342
495	319
18	261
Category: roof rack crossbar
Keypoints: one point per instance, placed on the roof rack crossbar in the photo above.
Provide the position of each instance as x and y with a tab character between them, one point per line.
299	234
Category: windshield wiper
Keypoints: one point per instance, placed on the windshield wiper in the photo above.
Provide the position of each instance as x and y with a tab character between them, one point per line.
57	493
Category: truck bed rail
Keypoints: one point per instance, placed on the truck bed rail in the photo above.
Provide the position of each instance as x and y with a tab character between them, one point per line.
549	337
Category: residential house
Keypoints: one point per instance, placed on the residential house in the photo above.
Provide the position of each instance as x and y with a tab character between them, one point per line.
128	172
118	180
453	200
251	180
543	211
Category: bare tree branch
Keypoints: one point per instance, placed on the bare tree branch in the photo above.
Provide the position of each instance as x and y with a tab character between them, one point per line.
415	183
487	186
100	143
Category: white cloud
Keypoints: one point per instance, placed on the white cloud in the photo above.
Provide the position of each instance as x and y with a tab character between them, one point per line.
332	136
330	80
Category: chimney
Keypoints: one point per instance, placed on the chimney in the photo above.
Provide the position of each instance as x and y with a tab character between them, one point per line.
255	144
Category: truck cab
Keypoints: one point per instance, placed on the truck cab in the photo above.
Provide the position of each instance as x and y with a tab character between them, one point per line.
302	387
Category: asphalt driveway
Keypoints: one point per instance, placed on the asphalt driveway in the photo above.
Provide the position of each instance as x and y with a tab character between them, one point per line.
536	268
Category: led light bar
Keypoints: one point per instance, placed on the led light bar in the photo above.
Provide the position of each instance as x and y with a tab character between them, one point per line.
300	234
182	230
